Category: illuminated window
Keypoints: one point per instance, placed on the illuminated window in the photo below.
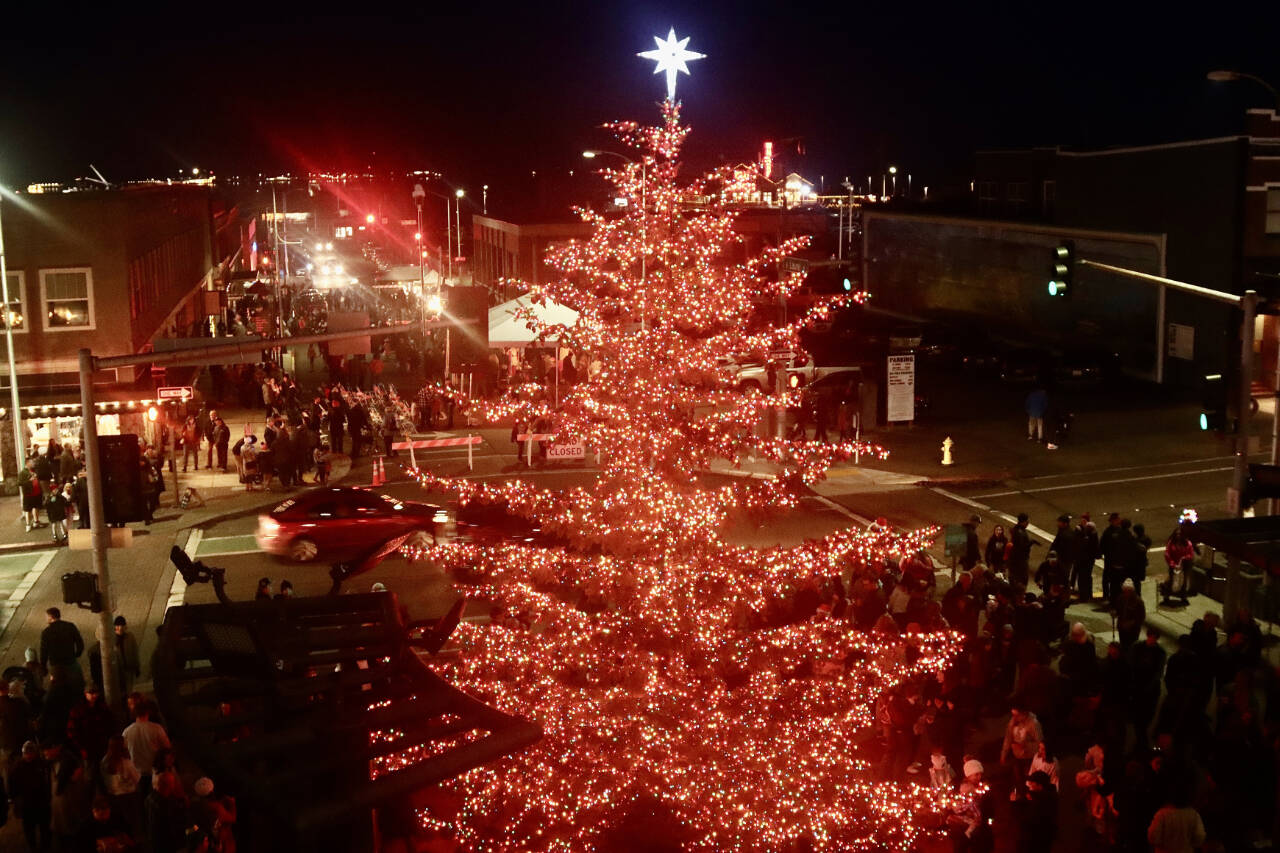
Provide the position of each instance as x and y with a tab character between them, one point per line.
17	303
1273	211
66	298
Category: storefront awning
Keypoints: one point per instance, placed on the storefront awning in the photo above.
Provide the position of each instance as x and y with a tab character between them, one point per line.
1254	540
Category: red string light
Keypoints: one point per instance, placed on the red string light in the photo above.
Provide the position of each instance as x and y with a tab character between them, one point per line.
642	648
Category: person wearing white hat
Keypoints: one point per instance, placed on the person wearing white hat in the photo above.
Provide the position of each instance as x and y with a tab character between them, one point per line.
214	814
971	823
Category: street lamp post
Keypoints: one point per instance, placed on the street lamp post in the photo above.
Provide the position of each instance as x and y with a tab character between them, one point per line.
644	219
419	196
1230	76
457	212
19	445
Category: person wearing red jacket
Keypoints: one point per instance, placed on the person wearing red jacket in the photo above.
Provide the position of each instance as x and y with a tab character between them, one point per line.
1179	553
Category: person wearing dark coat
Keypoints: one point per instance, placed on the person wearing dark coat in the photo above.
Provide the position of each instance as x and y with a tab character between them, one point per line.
995	551
1085	551
1037	815
221	437
972	549
1111	549
31	792
1146	669
1064	542
357	423
337	425
80	492
90	725
1079	662
60	642
1019	565
282	456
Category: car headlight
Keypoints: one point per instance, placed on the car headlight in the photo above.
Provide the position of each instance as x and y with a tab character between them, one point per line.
441	516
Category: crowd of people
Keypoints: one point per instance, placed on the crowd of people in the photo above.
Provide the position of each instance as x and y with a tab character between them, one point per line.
78	777
1178	750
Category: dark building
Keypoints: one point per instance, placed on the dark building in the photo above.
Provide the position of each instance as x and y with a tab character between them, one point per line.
1201	211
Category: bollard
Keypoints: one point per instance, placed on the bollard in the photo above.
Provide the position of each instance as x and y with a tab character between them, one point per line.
946	451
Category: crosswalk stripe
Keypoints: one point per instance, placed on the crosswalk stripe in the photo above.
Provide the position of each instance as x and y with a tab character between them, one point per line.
24	586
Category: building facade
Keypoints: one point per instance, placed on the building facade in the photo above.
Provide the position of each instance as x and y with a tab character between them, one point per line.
107	270
1201	211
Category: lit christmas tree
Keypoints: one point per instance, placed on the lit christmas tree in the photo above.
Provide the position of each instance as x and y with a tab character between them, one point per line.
646	649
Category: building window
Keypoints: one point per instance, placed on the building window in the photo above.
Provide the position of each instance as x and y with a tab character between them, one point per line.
1016	196
66	298
1050	191
17	303
1273	211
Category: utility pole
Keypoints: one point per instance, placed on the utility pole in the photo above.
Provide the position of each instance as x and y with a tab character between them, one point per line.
19	442
99	534
1236	593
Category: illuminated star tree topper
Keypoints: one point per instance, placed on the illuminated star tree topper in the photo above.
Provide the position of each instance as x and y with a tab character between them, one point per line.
672	56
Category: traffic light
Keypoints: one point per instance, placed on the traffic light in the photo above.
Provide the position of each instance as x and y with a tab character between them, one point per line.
1263	482
1062	268
1213	402
847	285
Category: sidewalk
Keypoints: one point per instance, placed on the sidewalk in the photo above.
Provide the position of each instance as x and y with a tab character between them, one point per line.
142	575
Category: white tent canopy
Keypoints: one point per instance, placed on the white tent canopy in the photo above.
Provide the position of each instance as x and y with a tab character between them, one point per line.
508	330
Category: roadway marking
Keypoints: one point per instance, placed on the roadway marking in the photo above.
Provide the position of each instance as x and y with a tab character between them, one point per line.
1012	519
843	510
224	546
1103	482
19	593
1131	468
178	589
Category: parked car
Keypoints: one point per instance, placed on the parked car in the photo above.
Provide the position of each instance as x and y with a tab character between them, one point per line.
1025	366
1084	364
961	345
344	523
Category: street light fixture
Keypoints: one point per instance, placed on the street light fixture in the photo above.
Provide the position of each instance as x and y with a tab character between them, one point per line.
457	212
1223	76
369	218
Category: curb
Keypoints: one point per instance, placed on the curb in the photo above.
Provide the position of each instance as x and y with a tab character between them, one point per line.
20	547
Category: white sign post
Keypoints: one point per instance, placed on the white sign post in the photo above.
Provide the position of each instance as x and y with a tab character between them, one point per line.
901	402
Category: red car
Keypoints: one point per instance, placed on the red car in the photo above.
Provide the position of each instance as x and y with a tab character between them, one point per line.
344	523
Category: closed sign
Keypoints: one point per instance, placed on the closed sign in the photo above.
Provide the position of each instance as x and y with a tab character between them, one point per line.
567	451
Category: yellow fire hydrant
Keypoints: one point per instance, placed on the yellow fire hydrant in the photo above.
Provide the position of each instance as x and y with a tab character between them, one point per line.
946	451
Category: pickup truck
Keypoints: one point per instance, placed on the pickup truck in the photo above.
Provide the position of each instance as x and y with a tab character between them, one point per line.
753	375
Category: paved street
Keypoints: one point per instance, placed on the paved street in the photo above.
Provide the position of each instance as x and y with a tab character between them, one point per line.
1132	451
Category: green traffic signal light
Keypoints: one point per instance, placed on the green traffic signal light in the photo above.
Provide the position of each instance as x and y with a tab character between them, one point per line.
1204	420
848	285
1061	268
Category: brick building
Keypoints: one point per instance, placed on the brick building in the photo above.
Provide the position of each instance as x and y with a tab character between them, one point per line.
111	270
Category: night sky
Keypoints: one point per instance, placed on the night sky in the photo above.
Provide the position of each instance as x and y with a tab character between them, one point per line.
497	88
